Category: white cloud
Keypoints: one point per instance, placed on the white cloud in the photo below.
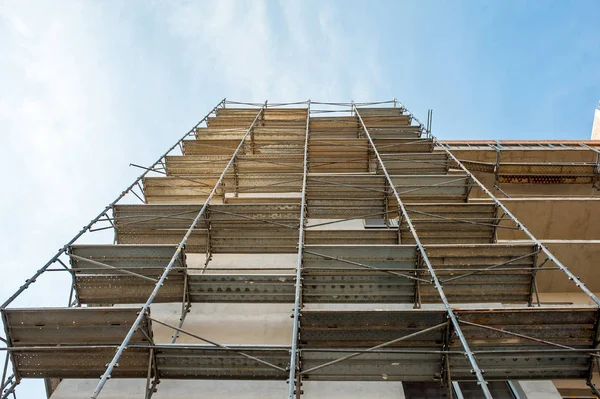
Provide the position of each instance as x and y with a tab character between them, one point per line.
287	54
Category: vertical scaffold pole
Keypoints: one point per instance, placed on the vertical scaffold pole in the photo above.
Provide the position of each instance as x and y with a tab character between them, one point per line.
167	269
471	357
295	378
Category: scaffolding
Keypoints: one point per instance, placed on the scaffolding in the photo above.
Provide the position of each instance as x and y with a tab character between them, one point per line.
273	179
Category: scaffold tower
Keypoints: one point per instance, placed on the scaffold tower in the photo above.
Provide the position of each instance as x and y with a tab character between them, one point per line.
398	258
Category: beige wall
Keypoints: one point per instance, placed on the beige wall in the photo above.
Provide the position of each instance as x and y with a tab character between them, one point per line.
554	218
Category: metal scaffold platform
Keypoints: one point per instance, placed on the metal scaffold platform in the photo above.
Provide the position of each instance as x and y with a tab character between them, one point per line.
374	211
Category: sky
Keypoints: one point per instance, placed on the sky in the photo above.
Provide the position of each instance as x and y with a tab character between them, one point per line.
88	87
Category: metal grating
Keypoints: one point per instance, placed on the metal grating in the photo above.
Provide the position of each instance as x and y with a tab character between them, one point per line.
202	362
55	342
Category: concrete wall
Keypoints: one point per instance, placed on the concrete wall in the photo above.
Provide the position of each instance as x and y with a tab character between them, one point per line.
581	257
554	218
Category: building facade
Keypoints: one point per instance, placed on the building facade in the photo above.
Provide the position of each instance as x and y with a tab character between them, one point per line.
327	250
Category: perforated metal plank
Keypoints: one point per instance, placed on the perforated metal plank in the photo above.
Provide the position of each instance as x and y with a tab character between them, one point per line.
475	166
371	120
342	163
450	223
45	330
254	215
254	240
269	113
415	163
380	120
72	326
544	179
376	255
263	132
387	366
433	188
264	145
195	189
357	237
267	119
327	280
574	169
501	355
123	289
337	146
261	288
55	362
236	122
407	132
200	165
480	288
271	183
537	173
202	362
155	216
324	185
565	326
197	243
369	328
148	260
261	241
182	190
262	216
400	145
327	127
351	286
346	208
270	116
480	255
343	190
204	146
523	366
380	111
341	196
492	285
575	327
330	154
258	199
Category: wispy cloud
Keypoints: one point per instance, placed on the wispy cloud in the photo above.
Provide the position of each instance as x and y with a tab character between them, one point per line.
283	52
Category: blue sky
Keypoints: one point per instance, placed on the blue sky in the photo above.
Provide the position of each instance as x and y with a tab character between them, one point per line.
88	87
